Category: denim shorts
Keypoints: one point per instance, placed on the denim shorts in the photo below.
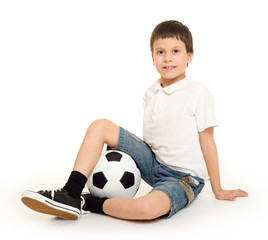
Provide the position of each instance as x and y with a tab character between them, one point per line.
157	175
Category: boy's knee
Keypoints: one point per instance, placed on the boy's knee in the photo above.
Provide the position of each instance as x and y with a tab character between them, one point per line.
99	124
104	129
151	208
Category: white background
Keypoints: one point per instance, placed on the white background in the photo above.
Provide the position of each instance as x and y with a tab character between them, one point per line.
64	64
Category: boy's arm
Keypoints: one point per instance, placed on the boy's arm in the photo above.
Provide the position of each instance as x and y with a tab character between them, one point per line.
210	154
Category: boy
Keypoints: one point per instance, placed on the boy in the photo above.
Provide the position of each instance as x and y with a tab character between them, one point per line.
178	152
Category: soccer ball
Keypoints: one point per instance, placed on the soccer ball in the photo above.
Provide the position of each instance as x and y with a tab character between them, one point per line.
115	175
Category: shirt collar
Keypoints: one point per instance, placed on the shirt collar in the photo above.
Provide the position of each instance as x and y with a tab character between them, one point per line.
171	88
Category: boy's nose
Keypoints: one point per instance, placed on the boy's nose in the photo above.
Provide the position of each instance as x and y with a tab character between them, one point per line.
167	57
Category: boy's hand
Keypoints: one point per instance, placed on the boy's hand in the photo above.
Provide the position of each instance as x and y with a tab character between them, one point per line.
230	194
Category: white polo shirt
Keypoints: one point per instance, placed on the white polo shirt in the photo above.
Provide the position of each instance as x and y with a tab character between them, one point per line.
173	117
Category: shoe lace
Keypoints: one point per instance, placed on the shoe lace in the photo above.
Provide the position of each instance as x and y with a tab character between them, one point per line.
52	189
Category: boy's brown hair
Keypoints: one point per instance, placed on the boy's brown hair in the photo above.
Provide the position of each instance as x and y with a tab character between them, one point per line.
172	29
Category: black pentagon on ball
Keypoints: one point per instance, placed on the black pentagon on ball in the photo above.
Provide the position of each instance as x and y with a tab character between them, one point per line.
127	180
99	180
113	156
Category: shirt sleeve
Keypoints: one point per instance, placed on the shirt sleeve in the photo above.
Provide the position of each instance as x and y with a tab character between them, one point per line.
204	110
145	98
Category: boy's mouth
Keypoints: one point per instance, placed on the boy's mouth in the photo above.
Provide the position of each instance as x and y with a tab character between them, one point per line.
169	67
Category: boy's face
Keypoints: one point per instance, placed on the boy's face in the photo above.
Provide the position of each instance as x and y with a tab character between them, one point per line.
170	59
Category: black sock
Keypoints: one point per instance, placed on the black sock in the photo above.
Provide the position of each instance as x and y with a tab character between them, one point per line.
75	184
94	204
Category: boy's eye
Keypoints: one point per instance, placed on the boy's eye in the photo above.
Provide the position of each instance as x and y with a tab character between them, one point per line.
160	52
176	51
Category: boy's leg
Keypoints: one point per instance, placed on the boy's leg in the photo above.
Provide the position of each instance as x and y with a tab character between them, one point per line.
66	202
102	131
150	206
99	132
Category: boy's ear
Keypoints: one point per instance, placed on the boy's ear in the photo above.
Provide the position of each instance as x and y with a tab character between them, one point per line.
190	57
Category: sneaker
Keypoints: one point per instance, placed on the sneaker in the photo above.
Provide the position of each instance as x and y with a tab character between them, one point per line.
84	196
55	202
